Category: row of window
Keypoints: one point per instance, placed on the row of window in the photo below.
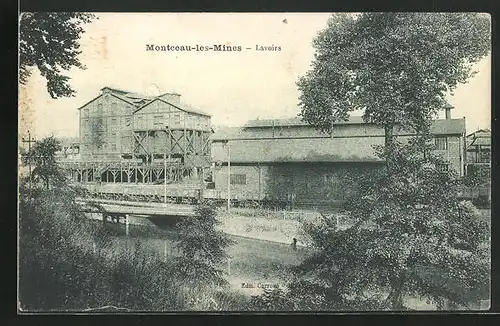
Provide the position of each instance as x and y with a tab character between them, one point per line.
111	147
158	120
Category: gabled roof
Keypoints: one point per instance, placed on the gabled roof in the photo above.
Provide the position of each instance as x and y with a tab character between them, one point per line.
481	141
480	133
180	106
135	98
130	98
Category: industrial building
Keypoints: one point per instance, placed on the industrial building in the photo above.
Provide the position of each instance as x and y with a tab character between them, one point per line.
129	138
134	138
289	160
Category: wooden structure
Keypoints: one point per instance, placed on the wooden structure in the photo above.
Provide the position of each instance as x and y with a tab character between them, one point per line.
132	138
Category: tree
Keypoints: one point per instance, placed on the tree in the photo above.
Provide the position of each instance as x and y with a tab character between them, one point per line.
43	157
408	227
203	249
49	41
409	235
396	67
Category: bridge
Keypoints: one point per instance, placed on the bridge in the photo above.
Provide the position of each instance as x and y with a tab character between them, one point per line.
134	208
116	210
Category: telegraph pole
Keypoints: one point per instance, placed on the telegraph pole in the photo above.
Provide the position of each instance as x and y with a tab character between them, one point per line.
165	178
29	141
228	176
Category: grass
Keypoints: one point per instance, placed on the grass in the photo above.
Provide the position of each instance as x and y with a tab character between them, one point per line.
70	263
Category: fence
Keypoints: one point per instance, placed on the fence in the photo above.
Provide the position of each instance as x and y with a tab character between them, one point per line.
274	214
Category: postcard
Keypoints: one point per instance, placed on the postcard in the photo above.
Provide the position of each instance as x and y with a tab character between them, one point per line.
229	162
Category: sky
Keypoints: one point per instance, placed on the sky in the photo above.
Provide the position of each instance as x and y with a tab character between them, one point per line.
233	87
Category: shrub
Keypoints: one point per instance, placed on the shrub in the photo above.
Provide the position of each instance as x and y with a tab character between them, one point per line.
59	270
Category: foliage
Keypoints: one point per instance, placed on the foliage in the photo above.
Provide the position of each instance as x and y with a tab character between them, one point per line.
49	41
67	262
43	158
202	249
397	67
410	236
479	176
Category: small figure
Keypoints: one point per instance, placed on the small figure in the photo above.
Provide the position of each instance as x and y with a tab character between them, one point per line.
294	244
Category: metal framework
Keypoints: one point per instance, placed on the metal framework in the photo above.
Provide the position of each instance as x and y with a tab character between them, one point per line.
159	154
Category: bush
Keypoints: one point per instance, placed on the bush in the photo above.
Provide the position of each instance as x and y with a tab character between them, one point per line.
69	263
482	201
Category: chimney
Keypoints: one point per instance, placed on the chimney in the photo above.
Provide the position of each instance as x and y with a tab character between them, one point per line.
173	98
105	90
447	110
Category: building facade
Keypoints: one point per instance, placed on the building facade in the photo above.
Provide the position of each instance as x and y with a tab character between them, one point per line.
130	137
289	160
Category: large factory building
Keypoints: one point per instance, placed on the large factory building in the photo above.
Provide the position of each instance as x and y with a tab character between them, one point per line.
129	137
289	160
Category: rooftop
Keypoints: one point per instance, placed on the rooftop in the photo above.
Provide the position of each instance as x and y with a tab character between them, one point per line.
295	121
256	129
141	100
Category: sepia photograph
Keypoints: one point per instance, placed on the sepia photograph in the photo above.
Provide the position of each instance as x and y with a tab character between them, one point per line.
254	162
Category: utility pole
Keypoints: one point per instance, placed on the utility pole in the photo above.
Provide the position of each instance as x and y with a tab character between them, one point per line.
228	176
29	141
165	178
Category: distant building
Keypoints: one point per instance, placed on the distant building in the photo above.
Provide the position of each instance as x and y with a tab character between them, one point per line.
478	155
70	149
289	160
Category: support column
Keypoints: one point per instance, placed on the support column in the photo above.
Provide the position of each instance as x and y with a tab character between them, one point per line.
127	225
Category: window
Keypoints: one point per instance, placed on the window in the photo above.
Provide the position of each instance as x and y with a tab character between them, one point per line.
177	119
85	113
442	167
441	142
238	179
113	147
113	106
127	121
158	120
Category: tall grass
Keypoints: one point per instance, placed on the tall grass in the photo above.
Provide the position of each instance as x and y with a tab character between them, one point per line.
68	263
